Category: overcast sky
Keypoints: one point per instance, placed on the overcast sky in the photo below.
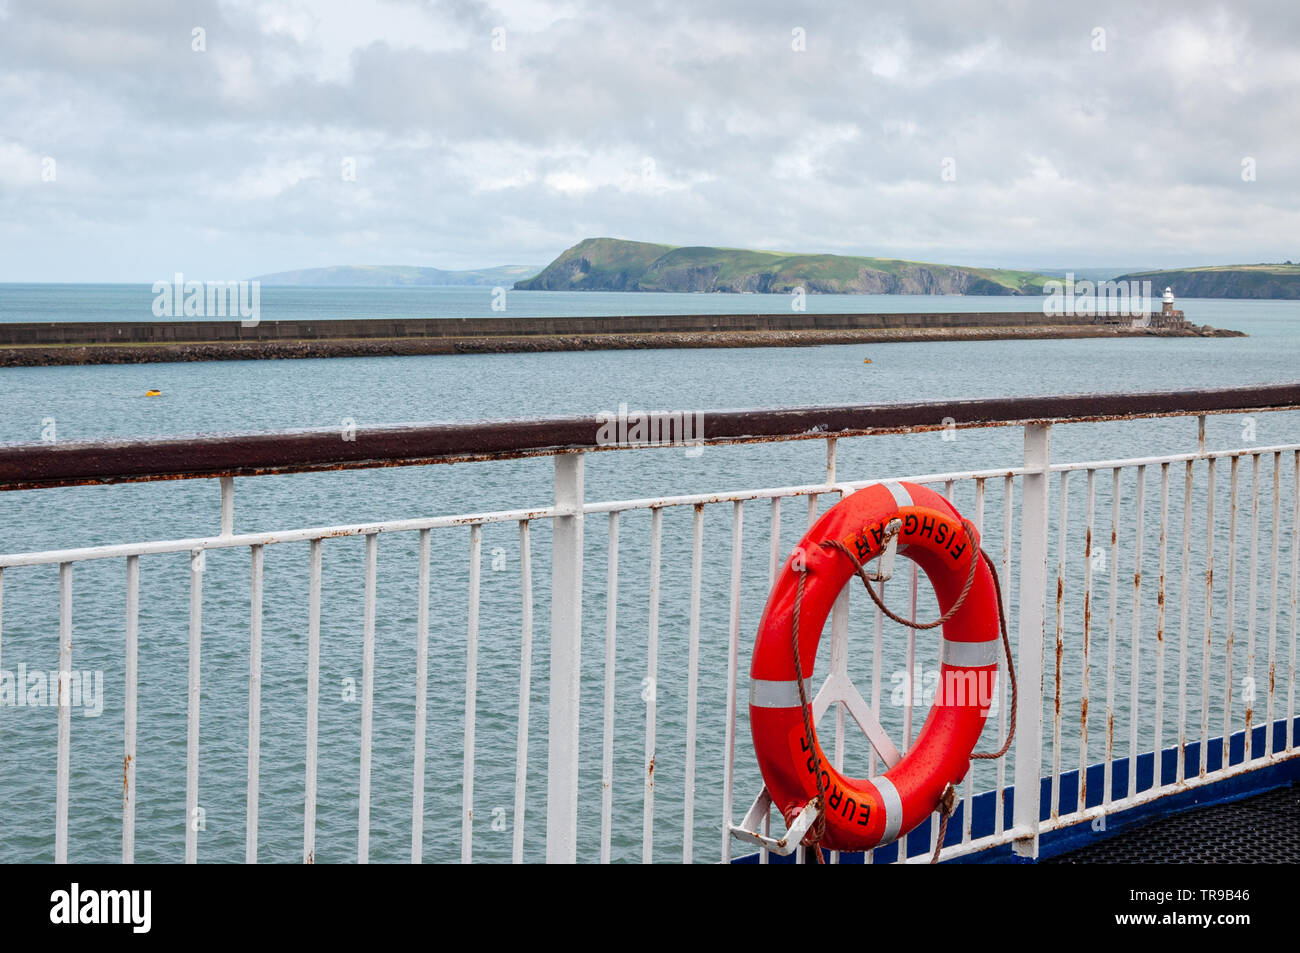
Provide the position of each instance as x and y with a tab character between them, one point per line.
1018	134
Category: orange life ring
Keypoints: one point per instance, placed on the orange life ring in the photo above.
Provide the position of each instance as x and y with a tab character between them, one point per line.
865	813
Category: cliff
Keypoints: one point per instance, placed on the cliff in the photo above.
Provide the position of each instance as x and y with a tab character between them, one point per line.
611	264
1225	281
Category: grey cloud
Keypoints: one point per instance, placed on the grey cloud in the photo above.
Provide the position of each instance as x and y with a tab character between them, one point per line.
230	159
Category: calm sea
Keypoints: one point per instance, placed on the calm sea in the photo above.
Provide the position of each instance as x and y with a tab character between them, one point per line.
80	403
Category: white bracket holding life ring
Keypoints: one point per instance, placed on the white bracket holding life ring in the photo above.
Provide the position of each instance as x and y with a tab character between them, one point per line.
836	688
748	829
884	570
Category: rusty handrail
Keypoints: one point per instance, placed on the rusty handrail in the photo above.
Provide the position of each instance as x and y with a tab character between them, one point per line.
32	466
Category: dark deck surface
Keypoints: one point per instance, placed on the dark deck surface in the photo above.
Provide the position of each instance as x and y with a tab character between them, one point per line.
1264	829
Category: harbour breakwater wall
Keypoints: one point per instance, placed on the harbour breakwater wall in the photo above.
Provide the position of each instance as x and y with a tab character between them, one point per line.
166	332
69	342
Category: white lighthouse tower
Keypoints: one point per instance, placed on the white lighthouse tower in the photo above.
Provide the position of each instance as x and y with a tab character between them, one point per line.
1169	318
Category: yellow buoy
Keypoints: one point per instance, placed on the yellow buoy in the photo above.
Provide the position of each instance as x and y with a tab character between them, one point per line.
153	393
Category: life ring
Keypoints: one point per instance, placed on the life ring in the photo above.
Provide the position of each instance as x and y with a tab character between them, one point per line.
865	813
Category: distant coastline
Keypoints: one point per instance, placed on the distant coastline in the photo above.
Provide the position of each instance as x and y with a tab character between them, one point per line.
397	276
610	264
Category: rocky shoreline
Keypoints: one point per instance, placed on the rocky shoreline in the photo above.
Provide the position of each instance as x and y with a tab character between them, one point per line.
181	351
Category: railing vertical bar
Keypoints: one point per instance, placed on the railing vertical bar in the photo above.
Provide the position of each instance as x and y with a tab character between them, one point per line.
878	626
1248	748
1035	515
607	740
1085	678
839	654
839	757
1184	608
876	673
966	816
650	688
692	682
774	552
1112	620
192	709
367	699
256	560
1135	648
1062	525
313	705
1008	493
421	697
934	818
1231	600
65	716
132	685
227	506
733	656
566	660
1209	616
800	853
1295	597
1161	593
525	688
910	695
471	696
774	563
877	665
1272	602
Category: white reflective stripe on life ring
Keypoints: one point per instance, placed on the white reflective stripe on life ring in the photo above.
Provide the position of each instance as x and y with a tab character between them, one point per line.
774	694
969	654
766	693
899	492
892	805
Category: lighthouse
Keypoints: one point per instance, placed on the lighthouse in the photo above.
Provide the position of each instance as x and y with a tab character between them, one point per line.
1169	318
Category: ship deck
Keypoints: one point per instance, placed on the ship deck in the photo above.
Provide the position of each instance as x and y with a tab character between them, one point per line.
1262	829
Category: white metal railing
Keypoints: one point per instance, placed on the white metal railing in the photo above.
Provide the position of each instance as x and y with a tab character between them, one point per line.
1056	729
